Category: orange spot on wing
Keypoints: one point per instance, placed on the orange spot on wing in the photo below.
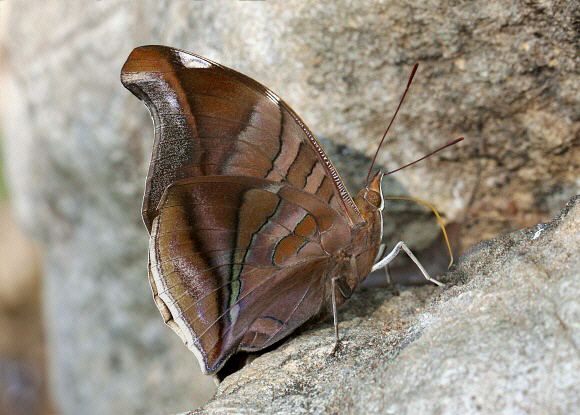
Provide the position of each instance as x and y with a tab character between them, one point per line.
306	227
287	248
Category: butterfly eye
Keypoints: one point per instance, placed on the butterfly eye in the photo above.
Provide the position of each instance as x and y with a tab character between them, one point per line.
374	198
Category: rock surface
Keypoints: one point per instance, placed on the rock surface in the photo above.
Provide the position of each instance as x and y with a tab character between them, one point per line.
503	336
77	145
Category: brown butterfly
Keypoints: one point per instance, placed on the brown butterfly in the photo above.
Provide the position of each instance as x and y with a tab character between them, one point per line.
253	232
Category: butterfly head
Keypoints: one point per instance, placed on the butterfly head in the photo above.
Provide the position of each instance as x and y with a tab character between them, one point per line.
371	196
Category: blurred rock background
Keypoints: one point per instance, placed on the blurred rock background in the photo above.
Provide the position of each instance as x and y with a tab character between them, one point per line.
504	74
23	388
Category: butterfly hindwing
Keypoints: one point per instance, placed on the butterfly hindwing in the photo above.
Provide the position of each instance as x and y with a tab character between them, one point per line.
237	262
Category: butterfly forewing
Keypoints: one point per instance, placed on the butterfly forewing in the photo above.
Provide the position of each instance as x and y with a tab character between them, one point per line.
211	120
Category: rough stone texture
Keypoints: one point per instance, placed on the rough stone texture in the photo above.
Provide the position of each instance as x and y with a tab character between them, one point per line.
504	74
503	336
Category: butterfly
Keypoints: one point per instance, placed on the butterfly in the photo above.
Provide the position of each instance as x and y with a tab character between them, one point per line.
252	231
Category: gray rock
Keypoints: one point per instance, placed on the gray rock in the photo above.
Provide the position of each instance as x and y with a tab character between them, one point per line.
77	144
503	336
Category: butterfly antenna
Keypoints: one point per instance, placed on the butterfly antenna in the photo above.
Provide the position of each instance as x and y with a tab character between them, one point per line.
457	140
392	119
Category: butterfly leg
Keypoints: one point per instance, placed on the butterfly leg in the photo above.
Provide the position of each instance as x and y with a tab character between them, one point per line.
335	314
401	245
390	282
334	280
